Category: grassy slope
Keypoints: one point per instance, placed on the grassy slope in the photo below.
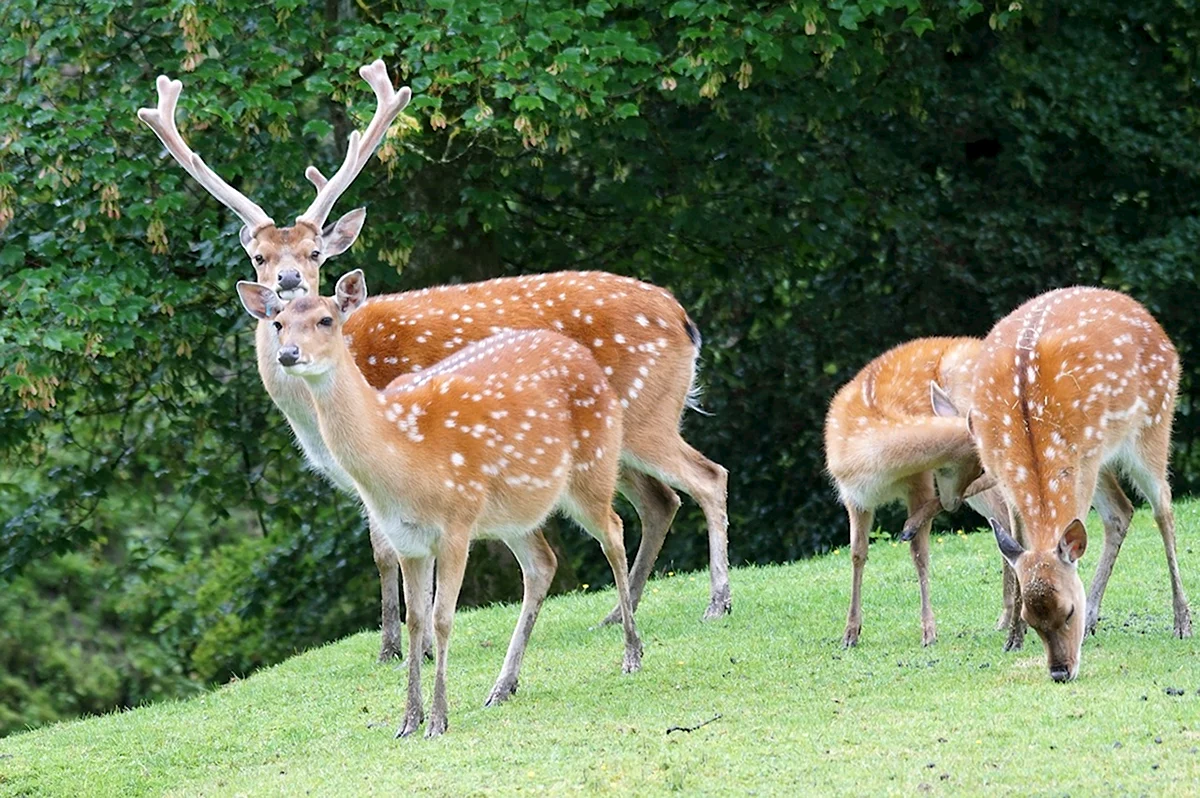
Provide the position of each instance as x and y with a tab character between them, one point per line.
797	713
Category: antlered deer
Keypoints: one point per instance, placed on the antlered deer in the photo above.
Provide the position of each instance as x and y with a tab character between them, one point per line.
483	445
1072	384
883	443
639	333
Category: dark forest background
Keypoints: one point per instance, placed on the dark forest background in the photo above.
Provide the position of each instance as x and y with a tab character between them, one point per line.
816	181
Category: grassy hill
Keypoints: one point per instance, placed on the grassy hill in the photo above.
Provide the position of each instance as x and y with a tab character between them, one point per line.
796	712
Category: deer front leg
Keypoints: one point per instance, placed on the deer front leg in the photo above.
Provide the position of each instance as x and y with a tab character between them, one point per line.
387	562
451	567
416	573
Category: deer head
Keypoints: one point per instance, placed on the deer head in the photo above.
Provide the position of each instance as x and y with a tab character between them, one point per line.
288	259
1052	597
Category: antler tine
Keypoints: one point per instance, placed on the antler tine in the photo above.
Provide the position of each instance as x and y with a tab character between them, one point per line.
162	121
315	177
388	104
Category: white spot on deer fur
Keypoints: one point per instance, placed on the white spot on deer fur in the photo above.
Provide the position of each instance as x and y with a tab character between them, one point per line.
457	459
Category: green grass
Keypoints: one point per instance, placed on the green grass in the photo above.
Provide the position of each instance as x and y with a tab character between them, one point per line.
797	713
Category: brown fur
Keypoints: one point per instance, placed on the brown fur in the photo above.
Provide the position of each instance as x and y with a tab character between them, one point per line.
485	444
884	443
1070	384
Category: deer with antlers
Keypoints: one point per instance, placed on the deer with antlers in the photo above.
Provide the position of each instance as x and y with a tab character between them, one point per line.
883	443
485	444
1069	387
644	340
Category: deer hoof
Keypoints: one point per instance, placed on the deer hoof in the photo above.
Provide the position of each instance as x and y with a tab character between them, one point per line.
501	693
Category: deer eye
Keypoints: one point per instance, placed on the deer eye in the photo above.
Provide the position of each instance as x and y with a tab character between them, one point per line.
326	322
260	260
316	254
278	326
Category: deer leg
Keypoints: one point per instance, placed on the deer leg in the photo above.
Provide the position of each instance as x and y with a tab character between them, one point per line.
387	562
1010	592
592	509
668	456
860	534
415	571
1150	476
921	495
920	518
656	505
537	571
1116	512
1018	627
451	567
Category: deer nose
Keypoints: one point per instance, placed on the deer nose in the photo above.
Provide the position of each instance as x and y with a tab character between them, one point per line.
289	355
1059	673
289	280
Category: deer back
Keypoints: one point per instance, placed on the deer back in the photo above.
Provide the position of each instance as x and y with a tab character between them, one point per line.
881	427
639	334
1063	383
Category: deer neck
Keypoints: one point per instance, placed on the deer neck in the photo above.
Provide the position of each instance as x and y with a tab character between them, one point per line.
368	438
294	400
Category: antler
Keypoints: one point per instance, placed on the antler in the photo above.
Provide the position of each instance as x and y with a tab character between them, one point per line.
162	121
389	103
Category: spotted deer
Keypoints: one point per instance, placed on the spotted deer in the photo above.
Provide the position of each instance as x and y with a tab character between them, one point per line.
485	444
885	441
642	337
1073	385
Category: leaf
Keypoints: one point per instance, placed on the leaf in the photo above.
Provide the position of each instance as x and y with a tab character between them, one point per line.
317	127
537	41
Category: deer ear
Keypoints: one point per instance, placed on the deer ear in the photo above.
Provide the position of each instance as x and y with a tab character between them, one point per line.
246	239
259	300
351	292
942	406
1011	549
336	238
970	425
1073	543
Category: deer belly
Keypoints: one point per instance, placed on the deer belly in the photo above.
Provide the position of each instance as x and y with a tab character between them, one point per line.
408	538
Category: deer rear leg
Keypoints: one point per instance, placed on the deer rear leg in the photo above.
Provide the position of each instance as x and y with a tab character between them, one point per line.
669	457
656	505
1150	475
860	534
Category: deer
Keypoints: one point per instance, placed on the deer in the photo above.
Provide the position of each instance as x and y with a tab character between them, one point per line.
643	338
485	444
1070	388
893	433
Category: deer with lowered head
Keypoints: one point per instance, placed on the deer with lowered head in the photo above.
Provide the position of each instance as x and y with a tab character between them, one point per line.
643	339
485	444
1072	385
883	443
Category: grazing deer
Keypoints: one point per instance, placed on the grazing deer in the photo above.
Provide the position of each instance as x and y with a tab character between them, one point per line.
882	444
639	333
485	444
1068	387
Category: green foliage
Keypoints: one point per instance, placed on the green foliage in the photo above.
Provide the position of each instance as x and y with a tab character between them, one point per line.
797	713
815	181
